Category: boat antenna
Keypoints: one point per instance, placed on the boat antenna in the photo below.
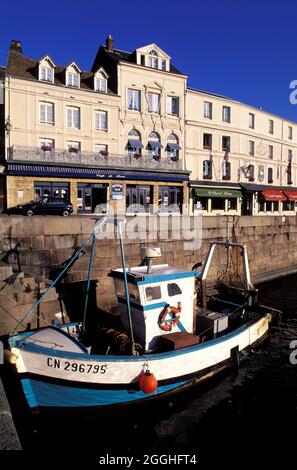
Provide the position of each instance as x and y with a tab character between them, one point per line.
119	221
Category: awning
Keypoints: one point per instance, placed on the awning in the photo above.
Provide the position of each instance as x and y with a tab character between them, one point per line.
154	144
172	147
291	195
135	144
273	195
224	192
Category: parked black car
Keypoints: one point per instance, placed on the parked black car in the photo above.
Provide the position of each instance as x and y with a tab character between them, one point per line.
46	205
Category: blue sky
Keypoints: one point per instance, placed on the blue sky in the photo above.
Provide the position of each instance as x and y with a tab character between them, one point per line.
246	50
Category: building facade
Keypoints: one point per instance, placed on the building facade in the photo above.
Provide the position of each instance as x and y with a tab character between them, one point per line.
129	136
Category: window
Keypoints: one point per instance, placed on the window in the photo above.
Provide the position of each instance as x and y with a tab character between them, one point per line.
270	175
207	141
261	173
101	120
73	147
289	168
163	64
134	99
251	121
290	132
153	59
152	293
288	206
226	114
250	174
226	143
72	79
218	204
251	147
47	74
142	59
173	289
134	143
270	152
207	110
46	112
232	204
172	105
73	117
271	126
154	103
154	146
46	144
101	84
101	149
170	199
226	171
207	169
172	147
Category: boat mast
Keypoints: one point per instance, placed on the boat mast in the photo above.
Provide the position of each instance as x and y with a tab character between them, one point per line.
119	223
89	281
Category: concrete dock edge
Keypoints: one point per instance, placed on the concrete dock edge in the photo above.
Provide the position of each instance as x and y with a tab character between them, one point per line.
9	439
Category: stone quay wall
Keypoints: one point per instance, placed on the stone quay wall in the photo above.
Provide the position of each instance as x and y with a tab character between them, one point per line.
45	243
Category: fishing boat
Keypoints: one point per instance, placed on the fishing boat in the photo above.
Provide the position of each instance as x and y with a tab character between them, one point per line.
173	335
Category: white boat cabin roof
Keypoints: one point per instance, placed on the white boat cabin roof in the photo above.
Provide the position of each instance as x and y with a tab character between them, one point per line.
159	272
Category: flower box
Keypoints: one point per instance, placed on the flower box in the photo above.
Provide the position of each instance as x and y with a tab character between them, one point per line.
46	148
137	155
174	159
73	150
104	153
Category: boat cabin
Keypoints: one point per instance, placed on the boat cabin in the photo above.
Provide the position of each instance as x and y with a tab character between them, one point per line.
161	301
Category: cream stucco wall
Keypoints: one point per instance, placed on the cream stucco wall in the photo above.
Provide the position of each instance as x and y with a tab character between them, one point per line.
239	132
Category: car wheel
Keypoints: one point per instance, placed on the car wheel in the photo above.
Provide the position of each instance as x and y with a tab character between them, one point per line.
65	213
30	212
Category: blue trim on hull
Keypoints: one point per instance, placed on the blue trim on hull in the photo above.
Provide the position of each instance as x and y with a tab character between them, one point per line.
43	394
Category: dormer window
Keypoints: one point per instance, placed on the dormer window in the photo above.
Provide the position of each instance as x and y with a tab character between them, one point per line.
100	80
73	75
72	79
153	59
46	69
101	84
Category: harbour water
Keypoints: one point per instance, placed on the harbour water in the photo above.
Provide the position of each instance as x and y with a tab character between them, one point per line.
251	411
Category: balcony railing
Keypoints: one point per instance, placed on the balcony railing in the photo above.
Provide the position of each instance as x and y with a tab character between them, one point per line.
57	156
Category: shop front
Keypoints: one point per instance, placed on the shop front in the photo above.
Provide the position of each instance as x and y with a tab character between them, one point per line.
216	199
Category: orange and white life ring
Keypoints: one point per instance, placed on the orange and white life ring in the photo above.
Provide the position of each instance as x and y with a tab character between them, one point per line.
169	323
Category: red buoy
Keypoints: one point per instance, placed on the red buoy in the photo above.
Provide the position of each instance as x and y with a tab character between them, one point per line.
148	382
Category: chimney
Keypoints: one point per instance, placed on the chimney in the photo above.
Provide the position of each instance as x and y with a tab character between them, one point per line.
109	43
16	46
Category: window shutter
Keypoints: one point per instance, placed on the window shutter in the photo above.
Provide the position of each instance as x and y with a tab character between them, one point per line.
169	105
42	113
150	102
69	117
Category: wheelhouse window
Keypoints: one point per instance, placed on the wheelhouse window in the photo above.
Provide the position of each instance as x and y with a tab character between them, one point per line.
207	141
172	147
153	59
46	113
154	103
101	119
207	169
173	289
270	175
207	113
134	100
172	105
152	293
154	146
226	114
73	117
